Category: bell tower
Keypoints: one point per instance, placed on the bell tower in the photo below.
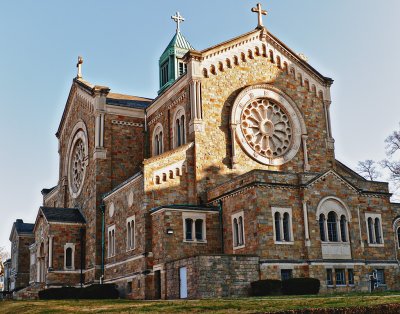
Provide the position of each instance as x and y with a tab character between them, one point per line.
171	64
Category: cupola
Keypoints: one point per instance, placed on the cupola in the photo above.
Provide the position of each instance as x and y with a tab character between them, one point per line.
171	63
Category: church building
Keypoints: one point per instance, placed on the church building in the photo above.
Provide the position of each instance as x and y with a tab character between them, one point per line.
227	177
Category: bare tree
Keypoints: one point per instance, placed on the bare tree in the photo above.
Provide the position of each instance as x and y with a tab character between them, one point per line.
4	254
367	169
392	149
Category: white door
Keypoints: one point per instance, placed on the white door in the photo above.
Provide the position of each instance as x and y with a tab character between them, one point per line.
183	282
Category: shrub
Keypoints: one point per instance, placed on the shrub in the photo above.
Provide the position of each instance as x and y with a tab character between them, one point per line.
266	287
300	286
106	291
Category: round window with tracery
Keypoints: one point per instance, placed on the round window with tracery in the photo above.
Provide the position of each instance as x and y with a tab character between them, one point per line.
77	160
266	128
267	124
78	166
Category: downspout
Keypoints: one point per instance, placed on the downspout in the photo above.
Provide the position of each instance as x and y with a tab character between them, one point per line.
146	141
102	208
221	226
82	246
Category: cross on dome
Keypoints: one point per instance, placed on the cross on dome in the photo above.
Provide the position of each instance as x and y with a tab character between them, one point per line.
260	12
178	18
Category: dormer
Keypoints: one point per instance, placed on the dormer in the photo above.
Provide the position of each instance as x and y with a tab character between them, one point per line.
171	62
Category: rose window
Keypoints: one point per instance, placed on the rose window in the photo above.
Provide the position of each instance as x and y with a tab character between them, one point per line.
78	165
266	128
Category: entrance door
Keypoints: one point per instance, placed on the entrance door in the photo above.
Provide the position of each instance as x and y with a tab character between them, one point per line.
183	282
157	284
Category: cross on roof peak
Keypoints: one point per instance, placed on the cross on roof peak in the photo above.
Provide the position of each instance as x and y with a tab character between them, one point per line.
79	66
178	18
260	12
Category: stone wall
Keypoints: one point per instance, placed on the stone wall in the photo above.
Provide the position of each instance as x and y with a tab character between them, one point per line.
213	276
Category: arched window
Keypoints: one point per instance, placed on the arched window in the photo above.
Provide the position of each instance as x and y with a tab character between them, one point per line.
205	72
235	60
250	54
343	228
235	232
332	227
398	237
130	227
241	230
278	62
179	129
271	56
158	142
228	63
69	252
278	226
212	70
68	258
220	66
378	236
199	229
286	227
285	67
257	51
238	230
243	57
371	230
322	227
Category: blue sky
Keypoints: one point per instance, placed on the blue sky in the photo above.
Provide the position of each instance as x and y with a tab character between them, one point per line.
356	42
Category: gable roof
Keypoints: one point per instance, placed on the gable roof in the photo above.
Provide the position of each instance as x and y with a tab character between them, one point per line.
335	174
20	227
269	37
129	101
66	215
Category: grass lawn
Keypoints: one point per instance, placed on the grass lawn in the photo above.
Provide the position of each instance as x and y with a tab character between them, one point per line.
248	305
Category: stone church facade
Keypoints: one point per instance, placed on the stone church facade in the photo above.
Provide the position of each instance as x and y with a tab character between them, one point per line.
228	176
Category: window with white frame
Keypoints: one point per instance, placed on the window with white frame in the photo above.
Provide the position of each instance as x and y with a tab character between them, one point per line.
283	231
69	256
158	141
179	128
194	227
374	229
238	230
130	233
111	241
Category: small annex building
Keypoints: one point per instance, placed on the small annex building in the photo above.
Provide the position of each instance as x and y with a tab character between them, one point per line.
228	176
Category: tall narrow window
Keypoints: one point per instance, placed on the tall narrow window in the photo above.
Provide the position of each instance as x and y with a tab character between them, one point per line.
371	230
241	230
278	226
111	241
286	227
164	73
378	236
329	277
158	145
130	228
179	130
322	227
199	229
189	232
350	275
238	230
398	237
68	258
235	232
332	227
343	228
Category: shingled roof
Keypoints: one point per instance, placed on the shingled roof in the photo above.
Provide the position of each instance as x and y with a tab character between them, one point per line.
127	101
71	215
23	227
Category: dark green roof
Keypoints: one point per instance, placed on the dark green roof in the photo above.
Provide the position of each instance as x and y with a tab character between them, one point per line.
179	41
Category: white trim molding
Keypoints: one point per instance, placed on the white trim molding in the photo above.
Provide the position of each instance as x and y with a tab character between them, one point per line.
194	216
238	235
282	211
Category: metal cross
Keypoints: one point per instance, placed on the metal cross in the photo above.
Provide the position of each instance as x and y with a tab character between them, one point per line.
79	66
178	18
260	12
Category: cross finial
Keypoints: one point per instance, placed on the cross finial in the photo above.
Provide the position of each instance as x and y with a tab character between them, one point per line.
178	18
79	66
260	12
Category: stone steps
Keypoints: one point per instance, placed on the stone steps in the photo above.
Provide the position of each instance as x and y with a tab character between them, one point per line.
29	293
